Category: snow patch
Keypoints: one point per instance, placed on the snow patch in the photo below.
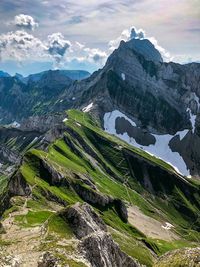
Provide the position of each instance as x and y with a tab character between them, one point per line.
15	124
73	98
65	119
192	119
34	140
88	108
193	116
196	98
167	226
110	118
78	124
161	147
123	76
61	100
182	134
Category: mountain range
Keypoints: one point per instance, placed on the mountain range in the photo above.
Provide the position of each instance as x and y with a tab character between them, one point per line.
103	169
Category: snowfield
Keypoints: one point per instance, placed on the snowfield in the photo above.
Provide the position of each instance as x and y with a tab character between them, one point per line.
88	108
192	116
161	147
123	76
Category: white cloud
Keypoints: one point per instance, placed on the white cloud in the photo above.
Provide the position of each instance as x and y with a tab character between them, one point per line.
164	53
113	44
96	55
57	46
137	34
25	21
134	33
184	59
20	45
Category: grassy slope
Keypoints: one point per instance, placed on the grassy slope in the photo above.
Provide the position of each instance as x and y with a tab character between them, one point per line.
118	182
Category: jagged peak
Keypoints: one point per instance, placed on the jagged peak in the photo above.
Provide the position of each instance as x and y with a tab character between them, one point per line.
145	48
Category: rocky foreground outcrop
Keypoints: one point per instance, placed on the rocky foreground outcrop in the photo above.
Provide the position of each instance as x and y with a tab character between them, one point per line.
47	260
180	258
96	243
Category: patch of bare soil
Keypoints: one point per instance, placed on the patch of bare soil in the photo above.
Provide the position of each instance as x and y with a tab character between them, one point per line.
149	226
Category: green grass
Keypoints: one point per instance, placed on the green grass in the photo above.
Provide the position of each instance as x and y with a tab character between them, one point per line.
30	175
33	218
3	183
108	170
133	248
60	227
162	246
86	120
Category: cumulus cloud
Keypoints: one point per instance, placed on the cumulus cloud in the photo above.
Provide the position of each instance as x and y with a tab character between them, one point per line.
137	34
125	36
25	22
164	53
185	59
134	33
57	46
96	55
20	45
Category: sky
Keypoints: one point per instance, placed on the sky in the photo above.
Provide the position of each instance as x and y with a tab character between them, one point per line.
38	35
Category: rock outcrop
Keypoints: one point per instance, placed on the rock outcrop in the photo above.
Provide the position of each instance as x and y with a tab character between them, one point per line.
47	260
180	258
18	186
100	200
163	98
96	243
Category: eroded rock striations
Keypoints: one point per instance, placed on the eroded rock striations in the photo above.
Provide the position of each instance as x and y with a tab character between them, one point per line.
96	243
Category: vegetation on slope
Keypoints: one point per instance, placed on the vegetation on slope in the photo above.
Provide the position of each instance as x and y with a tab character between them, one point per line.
87	164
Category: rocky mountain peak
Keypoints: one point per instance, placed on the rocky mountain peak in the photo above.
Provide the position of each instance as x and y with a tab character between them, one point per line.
4	74
145	48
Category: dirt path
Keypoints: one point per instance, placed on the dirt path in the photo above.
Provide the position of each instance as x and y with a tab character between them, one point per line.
22	242
149	226
23	246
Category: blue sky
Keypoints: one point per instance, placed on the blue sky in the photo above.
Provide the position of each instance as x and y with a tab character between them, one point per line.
38	35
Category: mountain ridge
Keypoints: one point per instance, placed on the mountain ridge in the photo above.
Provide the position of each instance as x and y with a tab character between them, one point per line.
89	166
79	165
160	98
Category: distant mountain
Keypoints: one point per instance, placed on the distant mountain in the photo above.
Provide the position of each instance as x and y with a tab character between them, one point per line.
72	74
37	94
19	76
4	74
19	100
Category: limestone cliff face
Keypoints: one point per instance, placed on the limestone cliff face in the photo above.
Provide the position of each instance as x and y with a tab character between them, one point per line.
13	143
157	94
37	94
161	98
